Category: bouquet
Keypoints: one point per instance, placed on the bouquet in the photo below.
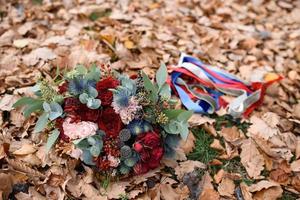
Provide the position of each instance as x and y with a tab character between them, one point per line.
121	125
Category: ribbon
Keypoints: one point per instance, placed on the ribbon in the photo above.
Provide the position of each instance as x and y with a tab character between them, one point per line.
200	88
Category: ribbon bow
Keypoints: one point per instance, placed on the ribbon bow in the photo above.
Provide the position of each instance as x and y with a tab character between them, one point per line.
200	87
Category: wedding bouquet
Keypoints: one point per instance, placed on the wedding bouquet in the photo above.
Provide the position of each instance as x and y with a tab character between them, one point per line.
121	125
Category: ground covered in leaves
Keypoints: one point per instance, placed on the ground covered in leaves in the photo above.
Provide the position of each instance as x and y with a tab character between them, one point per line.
257	158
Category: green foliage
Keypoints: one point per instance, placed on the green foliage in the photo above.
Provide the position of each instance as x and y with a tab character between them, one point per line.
160	89
89	98
288	196
92	146
52	139
54	110
41	123
202	152
229	121
178	123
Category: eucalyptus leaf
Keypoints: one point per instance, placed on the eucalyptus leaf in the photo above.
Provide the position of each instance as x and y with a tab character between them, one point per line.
93	103
87	157
46	107
161	75
55	110
91	140
130	162
81	69
33	107
149	86
94	73
24	101
184	133
83	98
95	150
184	116
92	92
52	139
165	91
173	114
41	123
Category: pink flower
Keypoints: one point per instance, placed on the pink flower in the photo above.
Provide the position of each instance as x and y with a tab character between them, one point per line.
114	161
79	130
128	113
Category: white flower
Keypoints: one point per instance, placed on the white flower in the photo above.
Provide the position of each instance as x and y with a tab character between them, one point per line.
79	130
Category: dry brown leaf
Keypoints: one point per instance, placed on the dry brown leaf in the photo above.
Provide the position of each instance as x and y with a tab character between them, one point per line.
295	166
226	187
264	184
245	191
272	193
216	144
189	144
260	128
279	176
24	168
7	102
232	134
6	185
187	167
25	150
298	148
219	176
199	119
209	194
251	159
167	192
34	56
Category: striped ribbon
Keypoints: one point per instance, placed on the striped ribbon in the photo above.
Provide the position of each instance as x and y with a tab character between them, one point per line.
200	87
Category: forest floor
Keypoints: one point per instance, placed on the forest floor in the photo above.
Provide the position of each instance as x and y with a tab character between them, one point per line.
256	158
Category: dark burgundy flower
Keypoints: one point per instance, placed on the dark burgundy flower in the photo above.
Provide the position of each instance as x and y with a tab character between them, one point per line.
59	125
103	87
63	88
148	146
87	114
110	122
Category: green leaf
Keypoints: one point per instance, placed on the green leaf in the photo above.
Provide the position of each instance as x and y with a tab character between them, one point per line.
82	144
161	75
94	73
92	92
130	162
46	107
95	150
41	123
52	139
149	86
91	140
165	91
184	132
83	98
81	69
24	101
55	110
87	157
172	113
184	116
33	107
93	103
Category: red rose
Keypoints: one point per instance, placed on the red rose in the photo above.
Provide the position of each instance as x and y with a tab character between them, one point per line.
110	122
148	146
63	88
103	87
140	168
87	114
59	125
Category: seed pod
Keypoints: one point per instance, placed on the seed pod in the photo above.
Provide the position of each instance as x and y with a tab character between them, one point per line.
124	135
126	152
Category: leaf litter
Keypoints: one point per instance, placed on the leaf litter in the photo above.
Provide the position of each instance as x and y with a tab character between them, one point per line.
256	158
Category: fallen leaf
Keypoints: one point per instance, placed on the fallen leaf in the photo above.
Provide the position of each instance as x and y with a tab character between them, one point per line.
216	144
298	148
272	193
219	176
21	43
189	144
7	102
231	134
226	187
209	194
245	191
199	119
34	56
264	184
6	185
251	159
260	128
25	149
116	189
295	166
187	167
279	176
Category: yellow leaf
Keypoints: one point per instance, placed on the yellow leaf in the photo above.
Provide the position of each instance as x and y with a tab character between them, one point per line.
270	77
